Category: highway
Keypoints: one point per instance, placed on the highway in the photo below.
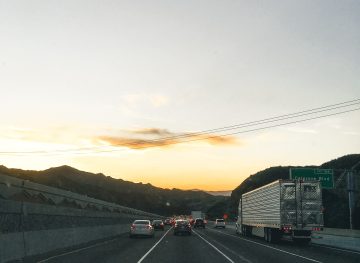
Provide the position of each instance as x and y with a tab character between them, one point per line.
204	245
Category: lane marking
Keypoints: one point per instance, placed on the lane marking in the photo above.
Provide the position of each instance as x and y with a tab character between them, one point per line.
228	249
277	249
78	250
152	248
229	259
334	248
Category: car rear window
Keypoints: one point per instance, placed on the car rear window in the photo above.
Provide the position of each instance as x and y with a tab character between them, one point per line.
182	222
220	220
141	222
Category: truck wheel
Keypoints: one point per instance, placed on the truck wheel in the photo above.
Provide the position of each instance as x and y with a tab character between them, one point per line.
270	235
266	234
244	231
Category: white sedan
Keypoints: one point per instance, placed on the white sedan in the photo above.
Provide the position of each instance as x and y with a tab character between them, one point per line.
219	223
141	228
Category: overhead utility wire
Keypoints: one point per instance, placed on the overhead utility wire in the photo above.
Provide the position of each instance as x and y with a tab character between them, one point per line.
234	133
221	129
166	143
227	128
246	124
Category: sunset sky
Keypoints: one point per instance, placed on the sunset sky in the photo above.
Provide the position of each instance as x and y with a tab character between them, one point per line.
92	84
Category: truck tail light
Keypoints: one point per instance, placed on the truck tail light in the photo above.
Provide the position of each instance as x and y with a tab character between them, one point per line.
287	229
317	229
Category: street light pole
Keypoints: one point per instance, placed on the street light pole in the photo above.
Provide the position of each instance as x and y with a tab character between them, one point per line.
351	190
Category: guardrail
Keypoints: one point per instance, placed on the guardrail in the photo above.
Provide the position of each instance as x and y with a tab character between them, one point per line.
12	188
37	219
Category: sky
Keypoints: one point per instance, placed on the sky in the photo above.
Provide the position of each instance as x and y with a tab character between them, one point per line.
96	85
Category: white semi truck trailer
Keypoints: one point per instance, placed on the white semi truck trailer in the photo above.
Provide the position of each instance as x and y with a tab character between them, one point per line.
290	208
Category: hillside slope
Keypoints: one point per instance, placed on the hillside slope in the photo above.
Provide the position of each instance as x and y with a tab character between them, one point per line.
136	195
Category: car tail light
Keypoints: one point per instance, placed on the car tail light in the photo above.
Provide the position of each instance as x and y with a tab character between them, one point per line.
287	229
317	229
162	224
149	227
133	226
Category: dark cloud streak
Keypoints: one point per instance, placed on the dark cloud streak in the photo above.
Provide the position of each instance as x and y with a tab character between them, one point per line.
164	138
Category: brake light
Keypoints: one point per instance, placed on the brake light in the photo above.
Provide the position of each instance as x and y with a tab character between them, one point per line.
149	227
162	224
317	229
133	226
287	229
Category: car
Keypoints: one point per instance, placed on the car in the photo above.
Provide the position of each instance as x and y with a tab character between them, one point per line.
141	228
167	222
199	222
219	223
182	226
158	224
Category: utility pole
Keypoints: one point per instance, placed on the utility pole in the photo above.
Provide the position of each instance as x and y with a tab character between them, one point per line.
351	187
351	190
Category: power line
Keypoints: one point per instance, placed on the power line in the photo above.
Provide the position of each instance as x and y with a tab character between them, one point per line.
239	132
164	140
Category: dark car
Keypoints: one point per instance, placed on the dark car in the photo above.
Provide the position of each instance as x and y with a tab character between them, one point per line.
167	222
158	224
182	226
199	222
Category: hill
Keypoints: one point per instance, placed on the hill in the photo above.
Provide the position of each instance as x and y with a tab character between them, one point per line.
145	197
335	201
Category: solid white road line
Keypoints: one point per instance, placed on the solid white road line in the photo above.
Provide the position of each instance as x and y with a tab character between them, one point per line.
151	249
229	259
78	250
334	248
277	249
243	259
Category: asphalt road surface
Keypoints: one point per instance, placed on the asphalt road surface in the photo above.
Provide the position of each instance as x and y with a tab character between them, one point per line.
204	245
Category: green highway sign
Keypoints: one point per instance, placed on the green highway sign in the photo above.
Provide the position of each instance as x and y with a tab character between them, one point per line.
326	176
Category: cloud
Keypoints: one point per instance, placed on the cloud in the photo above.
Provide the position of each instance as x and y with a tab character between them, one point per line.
221	140
154	131
163	137
134	143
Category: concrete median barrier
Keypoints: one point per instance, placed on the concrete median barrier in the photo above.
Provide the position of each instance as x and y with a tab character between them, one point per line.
37	219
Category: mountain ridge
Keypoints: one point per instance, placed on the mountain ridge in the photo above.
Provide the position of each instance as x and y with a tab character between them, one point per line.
137	195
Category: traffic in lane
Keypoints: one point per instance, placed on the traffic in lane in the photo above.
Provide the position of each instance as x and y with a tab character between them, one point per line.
203	245
258	250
